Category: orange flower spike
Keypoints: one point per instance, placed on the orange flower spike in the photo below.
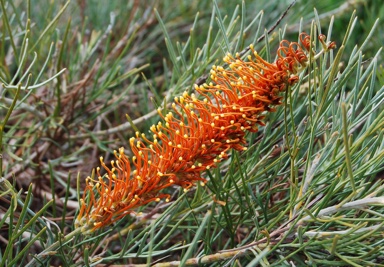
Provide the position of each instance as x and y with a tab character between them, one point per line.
196	135
112	203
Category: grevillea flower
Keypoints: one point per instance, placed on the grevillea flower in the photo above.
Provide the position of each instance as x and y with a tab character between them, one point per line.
195	136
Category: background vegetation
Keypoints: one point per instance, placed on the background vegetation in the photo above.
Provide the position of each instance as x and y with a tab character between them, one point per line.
309	191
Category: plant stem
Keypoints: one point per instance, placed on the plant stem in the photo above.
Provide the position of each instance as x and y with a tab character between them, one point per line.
52	248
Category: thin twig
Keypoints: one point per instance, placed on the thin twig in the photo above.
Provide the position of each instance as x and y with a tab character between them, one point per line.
357	204
331	234
123	127
24	106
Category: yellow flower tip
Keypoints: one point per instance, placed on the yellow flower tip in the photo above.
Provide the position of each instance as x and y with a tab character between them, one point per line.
202	183
196	87
137	134
101	159
244	148
169	143
180	158
200	164
157	199
185	190
208	167
158	109
167	200
179	146
212	140
185	136
193	166
171	181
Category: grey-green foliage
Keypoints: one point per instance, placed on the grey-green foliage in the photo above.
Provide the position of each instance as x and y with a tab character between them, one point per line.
307	192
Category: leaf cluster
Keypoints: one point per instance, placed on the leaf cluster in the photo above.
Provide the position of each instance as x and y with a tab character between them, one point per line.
308	191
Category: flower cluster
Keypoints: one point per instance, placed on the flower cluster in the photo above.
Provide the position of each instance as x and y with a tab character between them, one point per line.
195	136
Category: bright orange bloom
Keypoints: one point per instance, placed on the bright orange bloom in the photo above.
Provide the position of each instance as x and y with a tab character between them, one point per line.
194	136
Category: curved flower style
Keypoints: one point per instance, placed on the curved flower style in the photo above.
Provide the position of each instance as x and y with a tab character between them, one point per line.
195	136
